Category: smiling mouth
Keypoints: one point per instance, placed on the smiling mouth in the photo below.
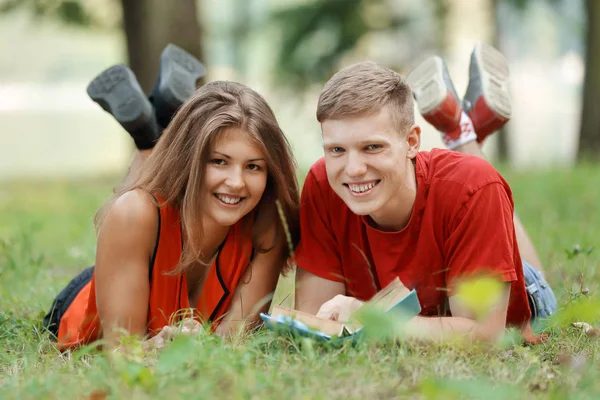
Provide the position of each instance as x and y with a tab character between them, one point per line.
361	189
229	200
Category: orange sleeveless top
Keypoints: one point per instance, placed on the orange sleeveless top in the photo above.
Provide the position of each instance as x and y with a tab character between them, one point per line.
80	323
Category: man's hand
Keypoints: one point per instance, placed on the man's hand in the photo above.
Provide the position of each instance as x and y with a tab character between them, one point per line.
340	308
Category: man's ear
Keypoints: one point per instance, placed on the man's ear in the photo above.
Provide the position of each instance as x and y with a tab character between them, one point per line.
413	138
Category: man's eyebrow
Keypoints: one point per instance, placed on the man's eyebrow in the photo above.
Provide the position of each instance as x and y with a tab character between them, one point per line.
377	138
374	139
229	157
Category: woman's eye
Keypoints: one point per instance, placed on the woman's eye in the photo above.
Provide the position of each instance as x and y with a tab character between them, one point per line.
217	161
254	167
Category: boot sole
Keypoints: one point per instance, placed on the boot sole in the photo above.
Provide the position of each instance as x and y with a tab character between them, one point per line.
179	73
490	68
117	91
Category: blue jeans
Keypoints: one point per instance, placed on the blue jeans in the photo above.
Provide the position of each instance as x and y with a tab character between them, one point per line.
541	297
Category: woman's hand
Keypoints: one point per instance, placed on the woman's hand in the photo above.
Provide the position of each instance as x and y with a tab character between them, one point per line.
188	326
340	308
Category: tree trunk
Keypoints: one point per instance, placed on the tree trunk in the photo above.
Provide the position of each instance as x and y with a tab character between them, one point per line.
150	25
502	134
589	138
440	11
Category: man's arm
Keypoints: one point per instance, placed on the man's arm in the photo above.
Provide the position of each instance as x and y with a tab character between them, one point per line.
462	324
312	291
481	241
319	276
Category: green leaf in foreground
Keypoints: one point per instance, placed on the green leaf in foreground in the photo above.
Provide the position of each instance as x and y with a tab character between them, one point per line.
176	354
479	294
434	389
582	309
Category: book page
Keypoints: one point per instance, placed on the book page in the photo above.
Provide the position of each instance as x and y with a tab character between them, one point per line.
327	326
389	295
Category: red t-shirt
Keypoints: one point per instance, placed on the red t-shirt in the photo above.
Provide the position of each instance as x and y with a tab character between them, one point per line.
461	225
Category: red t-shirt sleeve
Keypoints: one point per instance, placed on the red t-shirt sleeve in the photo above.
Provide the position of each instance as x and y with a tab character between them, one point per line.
317	251
482	236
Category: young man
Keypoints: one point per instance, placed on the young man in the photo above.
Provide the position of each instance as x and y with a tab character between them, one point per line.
375	208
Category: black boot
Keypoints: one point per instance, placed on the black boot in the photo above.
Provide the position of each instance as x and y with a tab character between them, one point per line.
177	80
118	92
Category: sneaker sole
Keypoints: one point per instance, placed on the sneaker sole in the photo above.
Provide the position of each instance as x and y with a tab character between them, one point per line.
117	91
427	84
490	67
435	94
179	73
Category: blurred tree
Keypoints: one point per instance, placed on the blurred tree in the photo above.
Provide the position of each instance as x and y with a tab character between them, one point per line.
589	134
341	24
149	25
589	138
316	35
502	135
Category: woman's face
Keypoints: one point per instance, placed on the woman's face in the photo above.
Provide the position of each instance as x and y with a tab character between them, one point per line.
235	177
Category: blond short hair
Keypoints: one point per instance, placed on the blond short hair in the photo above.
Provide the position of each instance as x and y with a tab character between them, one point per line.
366	88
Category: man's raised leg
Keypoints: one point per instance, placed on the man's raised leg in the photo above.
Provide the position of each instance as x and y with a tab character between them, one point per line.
485	109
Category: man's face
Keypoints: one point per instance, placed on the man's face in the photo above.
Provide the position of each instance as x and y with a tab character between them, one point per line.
368	161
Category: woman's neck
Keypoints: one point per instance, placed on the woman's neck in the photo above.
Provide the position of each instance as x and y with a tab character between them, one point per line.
213	235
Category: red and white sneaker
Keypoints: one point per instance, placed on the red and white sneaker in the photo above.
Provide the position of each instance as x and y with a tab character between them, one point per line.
438	102
487	101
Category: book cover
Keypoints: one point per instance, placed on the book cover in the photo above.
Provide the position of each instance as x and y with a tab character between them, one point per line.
394	298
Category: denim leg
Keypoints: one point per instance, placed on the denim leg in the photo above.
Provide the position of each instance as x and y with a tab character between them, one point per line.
541	297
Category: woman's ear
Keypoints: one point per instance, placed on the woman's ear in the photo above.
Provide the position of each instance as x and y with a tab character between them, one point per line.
413	138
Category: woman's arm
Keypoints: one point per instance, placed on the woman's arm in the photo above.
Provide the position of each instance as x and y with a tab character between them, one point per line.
255	290
126	240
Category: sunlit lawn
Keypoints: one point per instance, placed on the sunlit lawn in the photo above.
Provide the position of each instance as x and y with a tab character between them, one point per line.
47	235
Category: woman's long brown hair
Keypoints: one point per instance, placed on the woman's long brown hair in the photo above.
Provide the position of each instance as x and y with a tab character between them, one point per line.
175	170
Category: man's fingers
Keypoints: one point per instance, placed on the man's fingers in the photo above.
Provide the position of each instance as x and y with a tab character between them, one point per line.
340	308
329	312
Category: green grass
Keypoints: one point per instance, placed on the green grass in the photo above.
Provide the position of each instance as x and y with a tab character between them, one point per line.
46	236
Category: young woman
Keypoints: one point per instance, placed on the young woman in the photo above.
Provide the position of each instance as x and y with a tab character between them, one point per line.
196	227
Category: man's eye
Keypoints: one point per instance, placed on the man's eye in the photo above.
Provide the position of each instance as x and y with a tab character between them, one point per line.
373	147
336	150
217	161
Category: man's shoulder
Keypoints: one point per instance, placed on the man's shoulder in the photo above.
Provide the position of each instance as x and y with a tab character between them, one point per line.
451	168
317	190
317	176
318	171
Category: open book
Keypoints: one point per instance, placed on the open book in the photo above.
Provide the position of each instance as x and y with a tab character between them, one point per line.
394	298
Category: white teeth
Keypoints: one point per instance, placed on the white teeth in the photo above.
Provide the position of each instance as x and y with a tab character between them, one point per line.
229	199
362	187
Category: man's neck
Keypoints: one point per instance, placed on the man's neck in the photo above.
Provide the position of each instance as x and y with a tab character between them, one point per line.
396	213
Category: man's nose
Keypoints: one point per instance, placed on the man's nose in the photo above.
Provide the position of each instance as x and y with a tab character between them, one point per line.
355	165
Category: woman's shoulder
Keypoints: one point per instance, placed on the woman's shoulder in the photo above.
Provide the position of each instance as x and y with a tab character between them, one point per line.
127	233
134	210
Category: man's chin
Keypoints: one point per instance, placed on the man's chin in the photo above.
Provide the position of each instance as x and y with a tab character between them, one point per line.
361	209
358	207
